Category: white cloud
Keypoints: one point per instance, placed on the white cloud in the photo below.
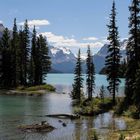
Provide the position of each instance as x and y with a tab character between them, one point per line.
105	41
36	23
92	45
90	39
1	22
60	41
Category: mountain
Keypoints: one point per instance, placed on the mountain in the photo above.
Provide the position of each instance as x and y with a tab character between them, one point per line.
63	60
99	58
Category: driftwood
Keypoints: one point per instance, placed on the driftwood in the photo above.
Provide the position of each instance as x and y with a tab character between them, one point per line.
71	116
37	127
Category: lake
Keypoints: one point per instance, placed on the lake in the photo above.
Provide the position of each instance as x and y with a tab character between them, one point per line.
63	83
19	110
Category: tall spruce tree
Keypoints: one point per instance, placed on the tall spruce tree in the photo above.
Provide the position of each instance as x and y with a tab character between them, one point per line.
78	80
14	55
33	65
136	96
26	43
43	62
90	81
21	57
113	57
133	49
6	66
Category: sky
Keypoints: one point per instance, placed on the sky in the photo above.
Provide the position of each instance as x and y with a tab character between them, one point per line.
68	23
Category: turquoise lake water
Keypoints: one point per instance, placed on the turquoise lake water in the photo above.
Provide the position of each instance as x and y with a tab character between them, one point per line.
25	110
63	82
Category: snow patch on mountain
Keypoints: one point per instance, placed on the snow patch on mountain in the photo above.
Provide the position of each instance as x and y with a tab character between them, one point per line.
65	50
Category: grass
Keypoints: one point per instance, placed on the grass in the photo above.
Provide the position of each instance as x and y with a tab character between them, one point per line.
36	88
94	107
97	106
31	91
132	131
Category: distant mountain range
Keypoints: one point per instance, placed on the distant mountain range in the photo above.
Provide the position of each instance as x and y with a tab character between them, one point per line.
63	60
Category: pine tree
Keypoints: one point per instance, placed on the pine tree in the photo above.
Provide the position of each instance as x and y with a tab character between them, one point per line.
136	96
14	55
78	80
21	57
113	57
26	50
43	62
6	66
133	49
33	65
102	92
90	82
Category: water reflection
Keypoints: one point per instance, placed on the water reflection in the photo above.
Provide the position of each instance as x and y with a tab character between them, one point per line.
15	111
108	121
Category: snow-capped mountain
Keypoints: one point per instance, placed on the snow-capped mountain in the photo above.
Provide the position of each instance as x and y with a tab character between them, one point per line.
63	59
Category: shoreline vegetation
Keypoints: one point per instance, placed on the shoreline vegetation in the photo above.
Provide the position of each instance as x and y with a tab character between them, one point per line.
38	90
99	106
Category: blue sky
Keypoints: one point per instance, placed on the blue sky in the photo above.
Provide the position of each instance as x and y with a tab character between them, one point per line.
70	23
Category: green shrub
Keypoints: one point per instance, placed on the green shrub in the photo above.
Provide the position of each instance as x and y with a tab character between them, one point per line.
41	87
95	136
20	88
122	137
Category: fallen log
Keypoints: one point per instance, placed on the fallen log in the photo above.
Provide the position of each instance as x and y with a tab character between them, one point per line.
71	116
37	128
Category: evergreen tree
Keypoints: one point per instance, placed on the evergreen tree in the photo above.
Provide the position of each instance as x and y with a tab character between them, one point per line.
6	66
102	92
113	57
17	65
78	80
133	49
26	43
136	96
14	55
43	62
33	65
21	57
90	82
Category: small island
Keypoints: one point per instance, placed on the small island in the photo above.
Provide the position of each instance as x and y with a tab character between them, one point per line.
29	91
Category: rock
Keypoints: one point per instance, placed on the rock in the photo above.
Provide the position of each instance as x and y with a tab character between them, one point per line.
37	127
60	121
43	122
64	124
71	116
